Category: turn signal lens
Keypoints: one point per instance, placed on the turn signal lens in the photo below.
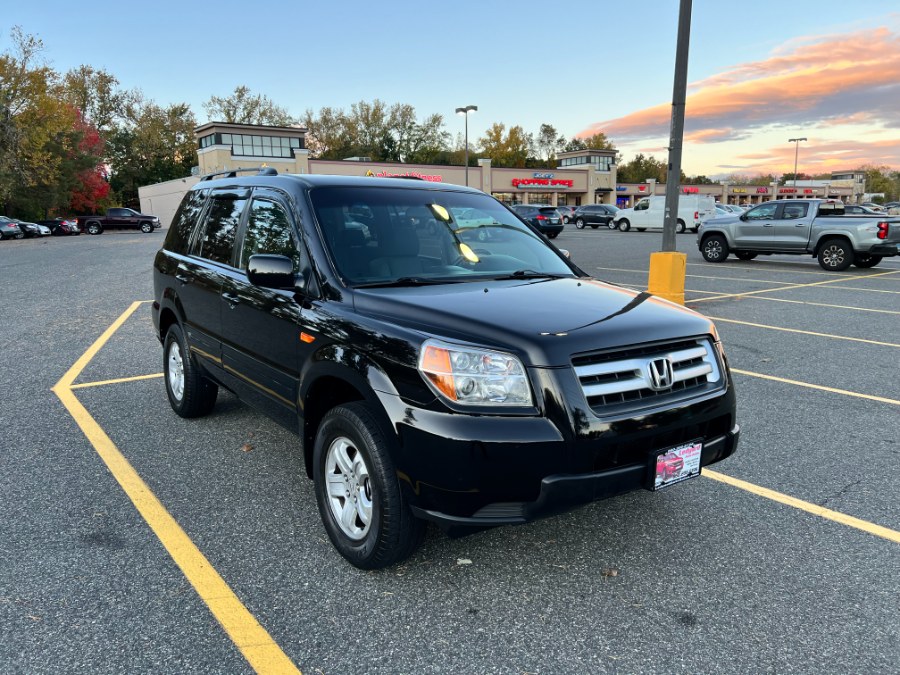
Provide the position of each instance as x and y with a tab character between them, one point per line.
474	376
882	230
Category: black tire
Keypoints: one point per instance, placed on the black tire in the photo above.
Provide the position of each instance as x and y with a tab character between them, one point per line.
565	220
552	235
835	255
196	395
865	260
368	488
624	225
579	223
146	228
594	226
714	248
21	235
680	226
94	228
641	229
745	255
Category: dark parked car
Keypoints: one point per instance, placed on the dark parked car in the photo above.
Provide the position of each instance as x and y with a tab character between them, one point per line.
567	213
28	229
595	215
429	379
119	218
10	229
545	218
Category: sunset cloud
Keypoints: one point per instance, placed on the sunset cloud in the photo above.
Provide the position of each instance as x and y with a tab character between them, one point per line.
812	82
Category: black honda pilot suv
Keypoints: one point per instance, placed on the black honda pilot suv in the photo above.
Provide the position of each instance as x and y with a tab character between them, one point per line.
439	359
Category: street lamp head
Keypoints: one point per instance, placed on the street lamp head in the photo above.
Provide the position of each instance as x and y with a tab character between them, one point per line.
792	140
466	110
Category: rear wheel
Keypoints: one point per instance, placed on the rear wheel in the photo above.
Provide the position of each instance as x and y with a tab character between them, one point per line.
865	260
714	248
835	255
552	235
624	225
190	394
745	255
360	501
679	226
579	223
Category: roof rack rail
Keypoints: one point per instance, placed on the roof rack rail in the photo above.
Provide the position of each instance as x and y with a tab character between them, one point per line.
232	173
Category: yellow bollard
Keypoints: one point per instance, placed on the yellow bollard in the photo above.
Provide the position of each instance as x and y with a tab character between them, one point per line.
667	270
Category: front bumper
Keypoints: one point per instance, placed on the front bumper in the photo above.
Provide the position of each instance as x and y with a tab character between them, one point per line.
562	492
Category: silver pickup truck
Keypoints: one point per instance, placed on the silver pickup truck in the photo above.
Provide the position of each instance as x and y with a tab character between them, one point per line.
816	227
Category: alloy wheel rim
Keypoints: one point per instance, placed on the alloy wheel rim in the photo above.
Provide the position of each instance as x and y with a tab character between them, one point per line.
349	488
713	249
176	371
834	256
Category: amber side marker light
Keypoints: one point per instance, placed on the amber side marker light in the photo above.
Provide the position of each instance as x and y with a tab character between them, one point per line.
436	364
307	338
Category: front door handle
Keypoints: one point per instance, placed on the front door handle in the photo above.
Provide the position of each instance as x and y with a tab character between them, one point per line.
181	273
768	224
799	224
231	299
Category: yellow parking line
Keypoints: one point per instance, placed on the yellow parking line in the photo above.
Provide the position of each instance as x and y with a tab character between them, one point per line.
803	332
798	383
769	270
788	287
85	385
697	276
825	304
815	509
257	646
869	290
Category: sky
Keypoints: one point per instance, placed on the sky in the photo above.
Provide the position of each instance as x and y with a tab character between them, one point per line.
759	72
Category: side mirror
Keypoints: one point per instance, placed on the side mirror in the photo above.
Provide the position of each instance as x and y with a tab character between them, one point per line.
743	217
271	271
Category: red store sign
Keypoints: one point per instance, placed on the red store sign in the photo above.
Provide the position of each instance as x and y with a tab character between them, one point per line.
542	182
691	190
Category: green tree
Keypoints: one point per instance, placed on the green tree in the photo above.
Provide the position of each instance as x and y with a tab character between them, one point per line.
642	168
882	179
97	96
548	142
506	149
244	107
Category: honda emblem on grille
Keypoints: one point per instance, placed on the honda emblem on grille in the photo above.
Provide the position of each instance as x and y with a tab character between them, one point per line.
661	374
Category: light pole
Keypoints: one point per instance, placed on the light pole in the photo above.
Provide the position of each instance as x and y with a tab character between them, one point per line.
465	113
796	152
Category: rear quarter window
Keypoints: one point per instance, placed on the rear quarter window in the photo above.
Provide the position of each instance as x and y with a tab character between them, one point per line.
223	216
186	218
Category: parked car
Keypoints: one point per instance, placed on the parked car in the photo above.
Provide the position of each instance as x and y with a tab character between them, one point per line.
45	231
60	227
545	218
10	229
859	210
816	227
28	229
875	207
595	215
567	213
429	380
119	218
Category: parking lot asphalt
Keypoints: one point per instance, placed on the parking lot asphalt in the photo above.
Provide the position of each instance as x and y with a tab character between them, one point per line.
709	576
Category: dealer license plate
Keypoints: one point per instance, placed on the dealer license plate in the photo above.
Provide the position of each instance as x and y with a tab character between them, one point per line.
677	464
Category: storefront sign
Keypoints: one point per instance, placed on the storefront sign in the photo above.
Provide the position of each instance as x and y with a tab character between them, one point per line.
808	191
740	191
762	191
415	174
621	188
642	188
690	190
542	182
787	191
542	175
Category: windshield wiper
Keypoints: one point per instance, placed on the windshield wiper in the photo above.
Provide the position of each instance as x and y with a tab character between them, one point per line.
531	274
406	281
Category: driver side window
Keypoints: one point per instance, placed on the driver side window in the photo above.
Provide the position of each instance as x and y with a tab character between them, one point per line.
762	212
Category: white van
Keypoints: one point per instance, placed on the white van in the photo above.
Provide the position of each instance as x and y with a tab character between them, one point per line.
649	213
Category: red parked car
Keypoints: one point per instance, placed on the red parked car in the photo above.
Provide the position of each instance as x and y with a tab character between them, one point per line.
671	466
61	226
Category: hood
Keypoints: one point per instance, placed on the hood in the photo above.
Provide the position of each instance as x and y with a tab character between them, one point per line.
544	321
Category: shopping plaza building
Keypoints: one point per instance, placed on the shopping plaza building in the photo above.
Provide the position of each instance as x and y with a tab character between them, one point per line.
581	177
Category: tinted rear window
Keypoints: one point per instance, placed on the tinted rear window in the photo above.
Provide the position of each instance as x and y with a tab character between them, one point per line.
185	218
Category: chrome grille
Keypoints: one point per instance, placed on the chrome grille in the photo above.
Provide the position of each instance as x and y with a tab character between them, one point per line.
620	380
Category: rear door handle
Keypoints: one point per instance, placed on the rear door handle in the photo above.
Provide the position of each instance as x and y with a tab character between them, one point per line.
768	224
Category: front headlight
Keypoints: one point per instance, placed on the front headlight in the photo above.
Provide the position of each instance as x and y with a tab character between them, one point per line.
474	376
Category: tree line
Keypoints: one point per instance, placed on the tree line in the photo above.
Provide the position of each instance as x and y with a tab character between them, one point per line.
77	142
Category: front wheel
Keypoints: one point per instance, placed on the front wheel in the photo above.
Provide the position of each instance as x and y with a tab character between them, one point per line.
94	228
146	228
579	223
865	260
714	248
835	255
624	225
359	497
190	394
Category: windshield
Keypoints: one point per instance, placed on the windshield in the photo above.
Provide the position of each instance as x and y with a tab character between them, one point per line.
382	235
